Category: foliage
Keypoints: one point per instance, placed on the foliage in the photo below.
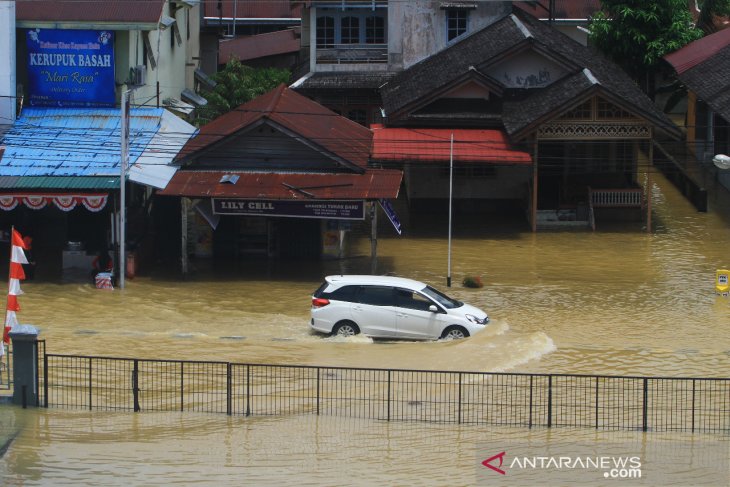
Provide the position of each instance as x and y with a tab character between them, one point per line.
237	84
709	9
636	34
472	281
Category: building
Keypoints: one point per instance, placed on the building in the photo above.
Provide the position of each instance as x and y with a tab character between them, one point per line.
702	67
60	173
509	84
280	176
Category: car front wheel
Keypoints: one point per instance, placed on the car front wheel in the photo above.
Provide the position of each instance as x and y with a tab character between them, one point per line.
345	329
454	333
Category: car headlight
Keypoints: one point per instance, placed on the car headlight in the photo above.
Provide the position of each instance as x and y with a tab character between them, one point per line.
476	320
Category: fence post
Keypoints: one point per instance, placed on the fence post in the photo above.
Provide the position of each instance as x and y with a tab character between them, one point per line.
91	392
459	414
693	405
389	395
318	391
229	389
182	386
135	385
45	377
529	420
248	390
25	364
596	402
645	406
550	401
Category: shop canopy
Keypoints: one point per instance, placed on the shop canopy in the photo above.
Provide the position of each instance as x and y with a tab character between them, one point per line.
373	184
434	145
54	145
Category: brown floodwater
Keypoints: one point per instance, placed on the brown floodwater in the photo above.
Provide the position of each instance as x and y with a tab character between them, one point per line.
615	301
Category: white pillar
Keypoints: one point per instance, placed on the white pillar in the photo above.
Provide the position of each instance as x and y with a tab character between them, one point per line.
8	78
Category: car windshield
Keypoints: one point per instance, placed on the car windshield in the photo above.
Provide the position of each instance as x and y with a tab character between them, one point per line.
441	298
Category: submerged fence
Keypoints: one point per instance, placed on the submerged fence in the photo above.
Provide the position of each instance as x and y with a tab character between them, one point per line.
539	400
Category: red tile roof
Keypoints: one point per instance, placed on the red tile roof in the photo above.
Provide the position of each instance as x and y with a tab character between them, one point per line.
321	127
258	46
374	184
434	145
564	9
89	10
254	9
698	51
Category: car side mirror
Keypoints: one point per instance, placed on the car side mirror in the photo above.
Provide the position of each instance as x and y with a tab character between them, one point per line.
433	309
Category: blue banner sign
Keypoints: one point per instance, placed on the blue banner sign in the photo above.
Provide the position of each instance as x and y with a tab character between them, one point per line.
390	212
71	68
325	209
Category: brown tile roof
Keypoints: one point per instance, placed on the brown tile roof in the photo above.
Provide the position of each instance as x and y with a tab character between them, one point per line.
254	9
698	51
89	10
564	9
258	46
374	184
311	121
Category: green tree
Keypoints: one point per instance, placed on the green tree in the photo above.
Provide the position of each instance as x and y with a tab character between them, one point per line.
636	34
237	84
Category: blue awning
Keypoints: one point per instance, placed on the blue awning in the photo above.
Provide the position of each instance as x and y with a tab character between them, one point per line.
85	142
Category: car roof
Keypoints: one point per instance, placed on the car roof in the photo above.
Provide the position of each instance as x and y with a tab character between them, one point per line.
375	281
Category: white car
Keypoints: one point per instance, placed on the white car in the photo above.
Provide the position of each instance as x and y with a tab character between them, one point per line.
391	307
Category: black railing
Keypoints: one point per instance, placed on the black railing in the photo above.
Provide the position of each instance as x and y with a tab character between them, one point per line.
539	400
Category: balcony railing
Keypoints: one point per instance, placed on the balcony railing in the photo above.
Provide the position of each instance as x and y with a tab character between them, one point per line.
617	198
353	54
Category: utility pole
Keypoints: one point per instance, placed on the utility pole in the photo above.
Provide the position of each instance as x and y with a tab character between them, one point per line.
123	176
451	190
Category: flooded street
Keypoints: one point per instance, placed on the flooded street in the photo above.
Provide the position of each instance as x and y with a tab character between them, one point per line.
618	301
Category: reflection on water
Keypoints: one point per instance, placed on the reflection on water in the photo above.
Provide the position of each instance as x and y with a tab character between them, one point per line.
618	301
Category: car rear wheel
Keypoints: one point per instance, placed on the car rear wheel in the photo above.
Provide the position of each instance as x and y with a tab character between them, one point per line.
345	329
454	333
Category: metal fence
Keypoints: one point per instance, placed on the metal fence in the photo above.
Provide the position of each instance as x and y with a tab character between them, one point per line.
540	400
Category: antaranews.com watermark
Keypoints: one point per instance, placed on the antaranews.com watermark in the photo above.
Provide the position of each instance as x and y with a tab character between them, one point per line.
557	462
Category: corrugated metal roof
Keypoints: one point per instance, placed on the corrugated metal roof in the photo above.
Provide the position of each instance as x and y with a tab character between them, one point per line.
698	51
80	147
74	141
258	46
434	145
60	182
254	9
563	9
117	11
320	126
374	184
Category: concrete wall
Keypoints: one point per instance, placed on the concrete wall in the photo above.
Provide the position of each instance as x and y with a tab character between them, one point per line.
7	69
175	63
417	28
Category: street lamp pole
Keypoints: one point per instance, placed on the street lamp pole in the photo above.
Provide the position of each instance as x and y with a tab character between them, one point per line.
122	193
451	189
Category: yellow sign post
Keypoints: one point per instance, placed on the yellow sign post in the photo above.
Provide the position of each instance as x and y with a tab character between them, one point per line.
722	286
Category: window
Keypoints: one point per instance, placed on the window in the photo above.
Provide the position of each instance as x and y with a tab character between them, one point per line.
350	30
375	30
350	27
456	23
325	31
345	293
408	299
376	295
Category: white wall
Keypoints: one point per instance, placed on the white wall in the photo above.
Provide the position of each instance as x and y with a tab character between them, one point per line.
7	66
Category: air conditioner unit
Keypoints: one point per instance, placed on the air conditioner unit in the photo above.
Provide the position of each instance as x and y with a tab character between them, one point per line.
138	75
